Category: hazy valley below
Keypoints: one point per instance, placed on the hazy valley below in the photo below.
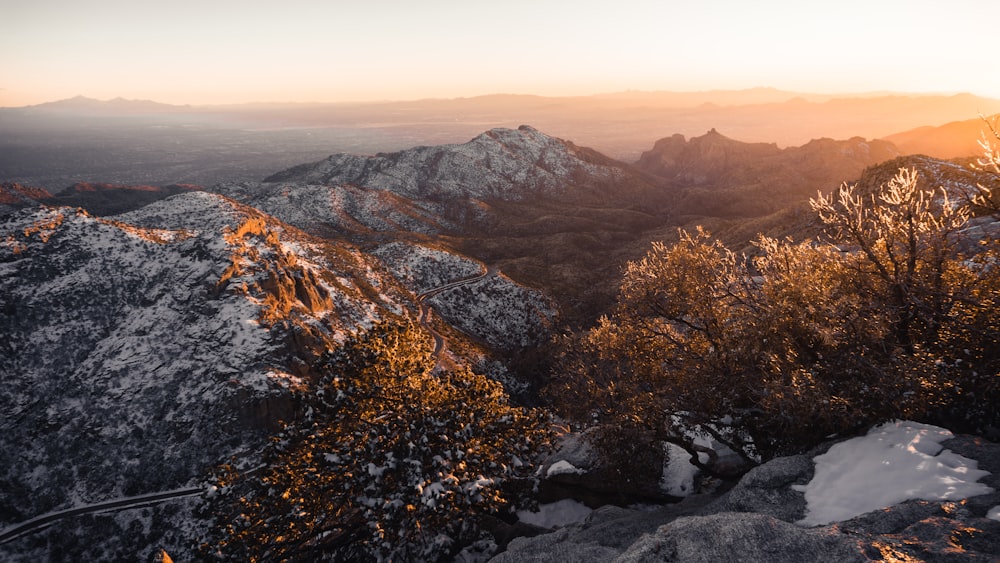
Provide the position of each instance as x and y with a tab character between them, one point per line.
134	142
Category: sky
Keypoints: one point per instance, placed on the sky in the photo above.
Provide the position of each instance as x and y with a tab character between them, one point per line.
227	51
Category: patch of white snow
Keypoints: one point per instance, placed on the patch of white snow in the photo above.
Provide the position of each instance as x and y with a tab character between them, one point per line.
994	513
678	472
895	462
561	467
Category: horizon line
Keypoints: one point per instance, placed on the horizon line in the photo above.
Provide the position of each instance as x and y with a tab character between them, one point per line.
637	92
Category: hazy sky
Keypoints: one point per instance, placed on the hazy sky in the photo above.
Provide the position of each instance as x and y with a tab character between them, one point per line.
217	51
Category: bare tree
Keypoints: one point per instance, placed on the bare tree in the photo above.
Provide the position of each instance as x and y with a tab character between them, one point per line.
903	235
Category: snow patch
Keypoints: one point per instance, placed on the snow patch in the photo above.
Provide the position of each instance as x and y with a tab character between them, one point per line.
562	467
994	513
678	472
895	462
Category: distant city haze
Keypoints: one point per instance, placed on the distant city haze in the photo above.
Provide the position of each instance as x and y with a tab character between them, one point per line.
228	52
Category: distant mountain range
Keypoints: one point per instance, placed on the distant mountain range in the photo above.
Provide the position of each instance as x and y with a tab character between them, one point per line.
85	105
621	125
957	139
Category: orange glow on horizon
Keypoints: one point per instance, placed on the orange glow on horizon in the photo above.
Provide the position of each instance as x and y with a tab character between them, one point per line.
309	51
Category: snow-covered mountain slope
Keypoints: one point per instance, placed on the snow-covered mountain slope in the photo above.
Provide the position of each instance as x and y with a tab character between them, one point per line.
500	163
436	189
422	269
482	303
504	314
339	209
139	350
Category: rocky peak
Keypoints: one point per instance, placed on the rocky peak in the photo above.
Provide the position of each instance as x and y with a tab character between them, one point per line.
729	178
702	159
501	163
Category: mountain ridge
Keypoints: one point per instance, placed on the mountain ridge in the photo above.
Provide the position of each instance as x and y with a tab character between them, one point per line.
494	164
956	139
726	177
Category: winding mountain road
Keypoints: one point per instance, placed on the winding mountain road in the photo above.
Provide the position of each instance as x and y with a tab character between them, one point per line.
139	501
426	312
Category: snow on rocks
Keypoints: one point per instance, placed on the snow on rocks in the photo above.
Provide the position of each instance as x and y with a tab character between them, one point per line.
143	348
507	315
756	519
121	358
421	268
894	462
563	467
500	163
678	477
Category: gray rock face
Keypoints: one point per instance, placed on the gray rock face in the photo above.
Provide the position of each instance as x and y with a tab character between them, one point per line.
755	521
731	536
606	533
766	489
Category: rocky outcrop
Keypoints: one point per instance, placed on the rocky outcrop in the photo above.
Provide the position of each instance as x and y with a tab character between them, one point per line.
757	521
767	489
714	159
702	160
725	177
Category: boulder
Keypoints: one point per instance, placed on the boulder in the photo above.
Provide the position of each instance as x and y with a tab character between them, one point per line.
730	536
605	534
766	489
756	521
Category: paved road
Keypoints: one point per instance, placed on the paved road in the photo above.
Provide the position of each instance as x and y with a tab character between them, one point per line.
139	501
426	312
